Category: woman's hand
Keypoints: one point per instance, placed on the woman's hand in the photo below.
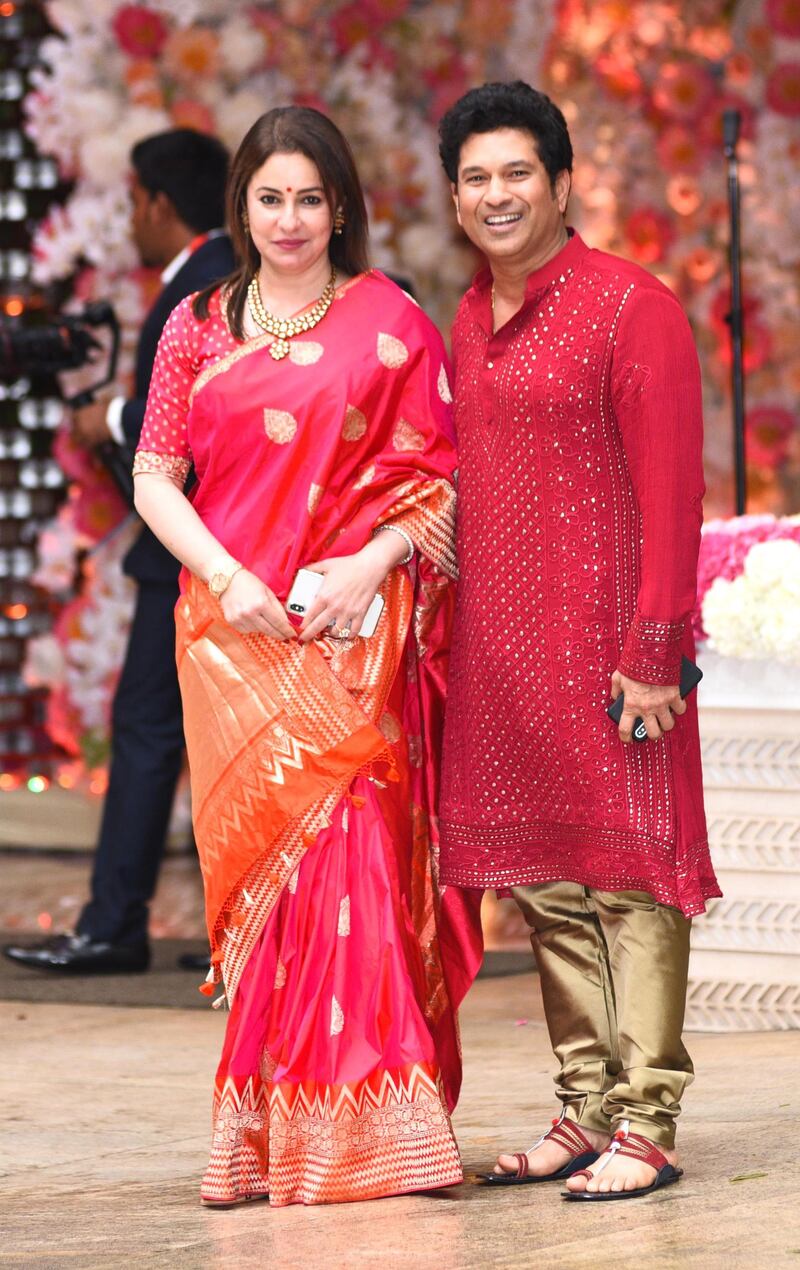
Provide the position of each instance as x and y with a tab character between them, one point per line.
349	587
654	703
248	606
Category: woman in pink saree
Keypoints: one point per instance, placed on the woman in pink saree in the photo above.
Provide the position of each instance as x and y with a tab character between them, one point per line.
313	404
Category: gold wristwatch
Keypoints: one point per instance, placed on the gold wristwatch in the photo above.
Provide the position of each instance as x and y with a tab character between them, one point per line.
221	578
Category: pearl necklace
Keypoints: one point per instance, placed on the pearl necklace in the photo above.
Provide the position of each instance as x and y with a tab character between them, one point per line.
284	328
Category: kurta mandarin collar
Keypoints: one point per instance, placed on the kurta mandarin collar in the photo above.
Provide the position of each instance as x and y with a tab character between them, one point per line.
538	282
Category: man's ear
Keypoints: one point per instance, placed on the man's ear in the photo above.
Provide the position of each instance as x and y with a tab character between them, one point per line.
164	208
454	192
563	187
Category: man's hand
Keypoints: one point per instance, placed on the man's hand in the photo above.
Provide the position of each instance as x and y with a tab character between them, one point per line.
89	427
656	704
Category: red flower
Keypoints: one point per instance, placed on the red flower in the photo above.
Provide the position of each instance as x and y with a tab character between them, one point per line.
683	90
619	78
721	307
382	11
648	234
711	126
680	150
784	17
769	429
351	26
139	31
783	89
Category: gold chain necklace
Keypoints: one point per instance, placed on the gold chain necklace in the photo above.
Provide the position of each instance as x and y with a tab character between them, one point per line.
284	328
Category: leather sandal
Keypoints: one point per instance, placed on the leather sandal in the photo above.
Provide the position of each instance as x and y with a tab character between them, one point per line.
634	1147
564	1132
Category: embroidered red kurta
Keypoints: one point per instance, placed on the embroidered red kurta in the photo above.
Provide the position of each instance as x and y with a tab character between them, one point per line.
580	438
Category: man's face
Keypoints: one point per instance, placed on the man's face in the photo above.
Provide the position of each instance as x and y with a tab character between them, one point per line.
146	223
504	199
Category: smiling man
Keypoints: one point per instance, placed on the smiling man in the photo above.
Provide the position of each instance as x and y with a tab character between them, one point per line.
578	413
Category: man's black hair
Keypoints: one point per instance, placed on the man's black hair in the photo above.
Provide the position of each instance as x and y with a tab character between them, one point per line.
513	105
191	169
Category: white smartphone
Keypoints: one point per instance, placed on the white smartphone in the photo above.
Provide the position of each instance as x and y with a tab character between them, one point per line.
304	591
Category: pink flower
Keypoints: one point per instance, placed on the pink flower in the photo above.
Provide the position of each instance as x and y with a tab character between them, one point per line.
139	31
769	429
192	54
783	89
784	17
648	234
683	90
189	113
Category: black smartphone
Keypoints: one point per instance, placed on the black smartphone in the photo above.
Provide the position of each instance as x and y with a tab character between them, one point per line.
690	678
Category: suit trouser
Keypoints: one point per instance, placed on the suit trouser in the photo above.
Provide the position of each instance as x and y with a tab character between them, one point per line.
147	754
613	968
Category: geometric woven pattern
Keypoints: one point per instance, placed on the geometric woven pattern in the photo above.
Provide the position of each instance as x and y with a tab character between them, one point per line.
741	977
762	762
758	925
389	1134
715	1005
766	843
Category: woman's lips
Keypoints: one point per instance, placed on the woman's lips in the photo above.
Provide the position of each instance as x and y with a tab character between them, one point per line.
290	244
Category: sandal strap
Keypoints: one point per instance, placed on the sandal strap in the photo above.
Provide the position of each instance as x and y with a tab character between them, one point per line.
523	1164
636	1147
569	1136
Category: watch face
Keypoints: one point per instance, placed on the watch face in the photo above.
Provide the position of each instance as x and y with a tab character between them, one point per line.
218	583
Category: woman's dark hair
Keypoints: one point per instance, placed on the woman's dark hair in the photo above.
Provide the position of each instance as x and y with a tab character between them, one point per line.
291	130
514	105
190	168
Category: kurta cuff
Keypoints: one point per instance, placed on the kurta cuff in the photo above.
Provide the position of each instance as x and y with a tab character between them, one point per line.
652	652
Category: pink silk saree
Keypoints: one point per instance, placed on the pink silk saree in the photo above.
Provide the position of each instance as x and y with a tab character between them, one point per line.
315	768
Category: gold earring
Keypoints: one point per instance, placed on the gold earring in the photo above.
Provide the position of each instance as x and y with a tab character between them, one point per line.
246	221
338	221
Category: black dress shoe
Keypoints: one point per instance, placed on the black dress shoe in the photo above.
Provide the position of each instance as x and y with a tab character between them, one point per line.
194	961
80	955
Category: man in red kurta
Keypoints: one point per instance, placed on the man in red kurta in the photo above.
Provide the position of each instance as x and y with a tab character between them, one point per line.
578	411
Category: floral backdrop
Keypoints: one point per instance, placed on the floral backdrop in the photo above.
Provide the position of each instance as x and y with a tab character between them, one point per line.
643	85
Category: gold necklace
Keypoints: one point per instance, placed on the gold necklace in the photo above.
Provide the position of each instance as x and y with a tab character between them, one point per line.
284	328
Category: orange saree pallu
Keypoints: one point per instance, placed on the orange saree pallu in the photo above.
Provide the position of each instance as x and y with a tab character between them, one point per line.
315	767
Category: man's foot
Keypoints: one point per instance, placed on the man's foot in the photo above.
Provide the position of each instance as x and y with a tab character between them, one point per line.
549	1156
616	1172
80	955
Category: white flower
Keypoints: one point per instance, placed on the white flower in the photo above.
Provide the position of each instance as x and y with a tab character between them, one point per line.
774	564
44	662
757	615
238	112
242	47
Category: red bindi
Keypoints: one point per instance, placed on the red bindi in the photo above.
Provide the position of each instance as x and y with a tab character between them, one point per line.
288	189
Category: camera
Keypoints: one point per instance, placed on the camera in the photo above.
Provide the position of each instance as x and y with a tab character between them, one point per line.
64	344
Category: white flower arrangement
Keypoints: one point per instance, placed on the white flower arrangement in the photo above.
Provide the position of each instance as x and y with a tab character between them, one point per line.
756	616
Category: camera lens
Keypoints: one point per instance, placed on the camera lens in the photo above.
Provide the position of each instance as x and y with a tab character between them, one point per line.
297	608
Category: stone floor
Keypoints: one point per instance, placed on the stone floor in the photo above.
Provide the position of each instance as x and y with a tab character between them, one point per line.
106	1128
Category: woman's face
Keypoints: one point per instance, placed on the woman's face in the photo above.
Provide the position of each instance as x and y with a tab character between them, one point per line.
290	219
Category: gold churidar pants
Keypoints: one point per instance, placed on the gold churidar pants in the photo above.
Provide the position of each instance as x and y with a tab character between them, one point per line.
613	967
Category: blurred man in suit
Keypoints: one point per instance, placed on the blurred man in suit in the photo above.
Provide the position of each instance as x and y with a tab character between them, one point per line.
177	212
